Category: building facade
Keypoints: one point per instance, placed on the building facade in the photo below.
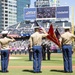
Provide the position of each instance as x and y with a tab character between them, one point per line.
21	4
8	13
11	12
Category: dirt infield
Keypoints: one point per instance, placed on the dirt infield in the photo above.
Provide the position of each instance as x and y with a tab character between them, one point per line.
43	67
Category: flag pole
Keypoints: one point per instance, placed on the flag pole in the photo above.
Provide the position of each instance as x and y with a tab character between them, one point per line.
73	26
72	19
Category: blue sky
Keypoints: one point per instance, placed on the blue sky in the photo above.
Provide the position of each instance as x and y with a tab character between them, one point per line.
70	3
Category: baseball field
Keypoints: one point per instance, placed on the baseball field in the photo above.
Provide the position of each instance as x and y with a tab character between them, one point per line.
20	65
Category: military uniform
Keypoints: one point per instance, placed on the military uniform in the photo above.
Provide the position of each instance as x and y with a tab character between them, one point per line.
48	52
66	41
44	51
30	53
35	44
5	52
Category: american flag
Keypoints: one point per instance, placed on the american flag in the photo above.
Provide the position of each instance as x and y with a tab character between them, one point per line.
36	24
57	33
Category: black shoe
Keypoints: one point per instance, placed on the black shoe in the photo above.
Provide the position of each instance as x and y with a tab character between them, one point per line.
7	71
68	72
39	72
34	72
71	72
65	71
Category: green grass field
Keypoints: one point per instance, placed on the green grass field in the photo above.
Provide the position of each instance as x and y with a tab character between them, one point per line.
20	65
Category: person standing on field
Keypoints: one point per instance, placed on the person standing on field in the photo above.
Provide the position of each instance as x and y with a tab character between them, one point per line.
35	45
66	42
5	50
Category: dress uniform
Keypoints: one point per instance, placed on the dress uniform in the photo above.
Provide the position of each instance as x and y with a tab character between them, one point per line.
66	41
48	51
43	51
4	47
35	44
30	53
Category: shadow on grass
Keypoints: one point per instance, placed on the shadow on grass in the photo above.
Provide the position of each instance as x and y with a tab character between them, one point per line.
0	71
28	71
4	72
57	70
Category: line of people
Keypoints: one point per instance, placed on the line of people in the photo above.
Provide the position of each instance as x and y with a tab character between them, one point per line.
46	52
35	46
65	45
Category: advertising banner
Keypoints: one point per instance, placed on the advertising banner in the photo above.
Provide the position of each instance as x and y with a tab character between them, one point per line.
62	12
29	13
46	13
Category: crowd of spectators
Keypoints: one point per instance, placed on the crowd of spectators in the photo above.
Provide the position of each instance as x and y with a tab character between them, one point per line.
19	47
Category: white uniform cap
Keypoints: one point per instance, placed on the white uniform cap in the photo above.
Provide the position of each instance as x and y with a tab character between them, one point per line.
36	27
4	32
66	27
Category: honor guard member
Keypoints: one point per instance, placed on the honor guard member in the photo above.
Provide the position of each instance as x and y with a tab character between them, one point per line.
66	41
35	44
30	53
4	47
48	50
43	50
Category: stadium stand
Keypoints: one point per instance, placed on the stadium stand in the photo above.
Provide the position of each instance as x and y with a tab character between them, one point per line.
22	31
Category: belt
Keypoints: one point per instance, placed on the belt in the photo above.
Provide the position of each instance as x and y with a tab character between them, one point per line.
66	44
36	45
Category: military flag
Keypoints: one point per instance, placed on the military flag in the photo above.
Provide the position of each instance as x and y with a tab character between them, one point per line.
52	36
